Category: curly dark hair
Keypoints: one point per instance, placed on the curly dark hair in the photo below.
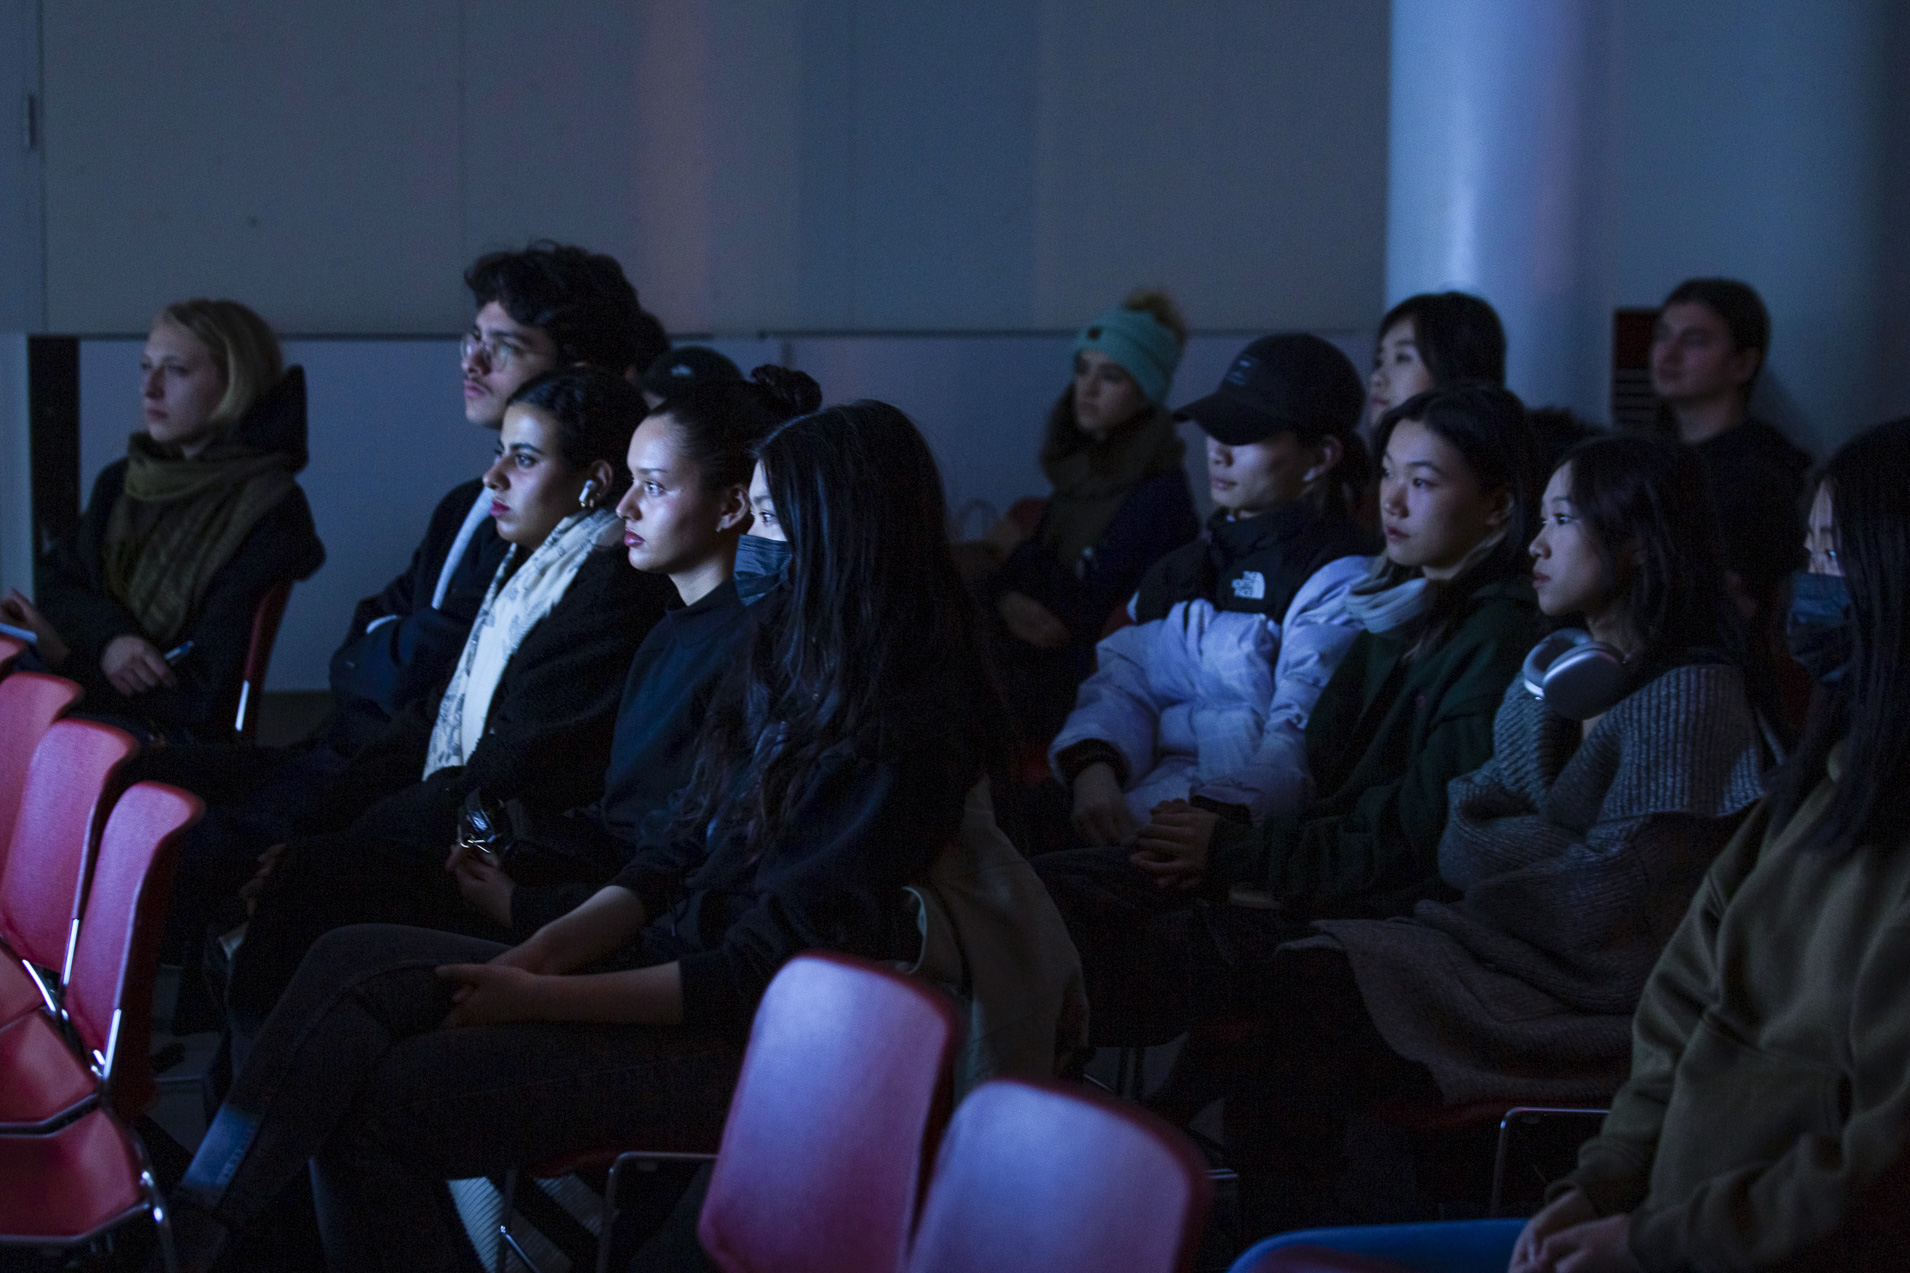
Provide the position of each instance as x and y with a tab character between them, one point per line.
580	299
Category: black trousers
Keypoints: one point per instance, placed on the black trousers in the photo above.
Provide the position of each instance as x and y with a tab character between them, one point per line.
353	1074
1281	1032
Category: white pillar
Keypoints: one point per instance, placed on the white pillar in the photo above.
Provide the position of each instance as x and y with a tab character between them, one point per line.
1499	179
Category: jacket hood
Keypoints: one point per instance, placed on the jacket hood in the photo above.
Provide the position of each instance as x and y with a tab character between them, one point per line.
277	421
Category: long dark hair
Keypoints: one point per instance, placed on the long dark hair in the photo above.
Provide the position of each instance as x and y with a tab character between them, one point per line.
1486	425
1459	336
876	641
1869	481
720	422
1650	497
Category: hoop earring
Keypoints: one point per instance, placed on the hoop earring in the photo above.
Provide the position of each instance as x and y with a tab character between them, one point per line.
587	498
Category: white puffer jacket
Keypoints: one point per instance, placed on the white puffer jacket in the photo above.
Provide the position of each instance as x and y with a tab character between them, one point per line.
1214	703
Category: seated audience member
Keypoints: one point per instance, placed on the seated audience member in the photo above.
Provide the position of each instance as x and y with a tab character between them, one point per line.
1572	852
683	517
1432	341
1120	501
1448	617
1712	339
830	779
1206	696
528	713
677	370
1764	1123
150	604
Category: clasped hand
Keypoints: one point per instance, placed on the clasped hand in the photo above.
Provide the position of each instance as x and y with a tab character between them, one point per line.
1569	1236
1173	846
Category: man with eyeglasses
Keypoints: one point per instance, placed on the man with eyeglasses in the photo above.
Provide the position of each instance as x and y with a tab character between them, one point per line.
548	306
545	307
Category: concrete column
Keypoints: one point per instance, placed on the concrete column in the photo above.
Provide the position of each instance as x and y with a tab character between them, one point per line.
1499	178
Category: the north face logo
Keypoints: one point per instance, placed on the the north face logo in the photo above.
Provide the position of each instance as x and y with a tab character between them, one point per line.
1251	586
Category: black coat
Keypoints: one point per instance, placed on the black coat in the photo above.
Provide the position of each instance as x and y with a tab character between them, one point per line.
547	738
1251	564
377	672
284	544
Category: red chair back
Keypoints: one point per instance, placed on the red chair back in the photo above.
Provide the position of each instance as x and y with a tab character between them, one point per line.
29	703
109	996
843	1094
258	657
69	786
11	648
1037	1176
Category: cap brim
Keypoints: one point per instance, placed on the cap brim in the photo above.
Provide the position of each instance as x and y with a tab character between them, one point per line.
1229	421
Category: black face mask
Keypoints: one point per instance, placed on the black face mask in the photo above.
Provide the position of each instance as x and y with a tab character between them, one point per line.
1818	630
760	566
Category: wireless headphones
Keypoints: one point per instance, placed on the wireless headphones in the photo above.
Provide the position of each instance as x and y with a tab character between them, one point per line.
587	498
1576	676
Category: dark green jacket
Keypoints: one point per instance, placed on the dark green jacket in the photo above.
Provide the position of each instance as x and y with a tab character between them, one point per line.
1383	741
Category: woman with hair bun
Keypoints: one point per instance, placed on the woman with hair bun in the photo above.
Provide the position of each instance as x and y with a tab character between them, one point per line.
833	774
684	517
1120	502
149	605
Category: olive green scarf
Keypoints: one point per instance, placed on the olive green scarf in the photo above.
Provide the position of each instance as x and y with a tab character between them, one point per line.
179	521
1092	479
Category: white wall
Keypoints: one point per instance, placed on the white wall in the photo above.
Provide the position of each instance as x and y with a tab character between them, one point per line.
803	164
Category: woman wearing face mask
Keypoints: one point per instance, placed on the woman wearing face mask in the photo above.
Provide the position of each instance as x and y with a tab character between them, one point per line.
684	517
1207	695
1767	1117
1120	501
527	715
1448	616
1572	852
150	605
828	780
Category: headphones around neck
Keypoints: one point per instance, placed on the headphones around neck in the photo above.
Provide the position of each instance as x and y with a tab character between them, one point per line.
1576	676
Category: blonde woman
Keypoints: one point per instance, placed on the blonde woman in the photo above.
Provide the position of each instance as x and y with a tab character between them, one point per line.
150	603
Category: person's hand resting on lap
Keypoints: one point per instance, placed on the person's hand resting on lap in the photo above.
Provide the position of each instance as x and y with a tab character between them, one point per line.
1173	846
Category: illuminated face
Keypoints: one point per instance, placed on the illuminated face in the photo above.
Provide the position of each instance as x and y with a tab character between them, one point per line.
671	524
1568	573
1258	477
498	355
766	525
532	487
180	387
1432	507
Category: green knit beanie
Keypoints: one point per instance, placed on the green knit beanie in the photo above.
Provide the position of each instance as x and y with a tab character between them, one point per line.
1142	345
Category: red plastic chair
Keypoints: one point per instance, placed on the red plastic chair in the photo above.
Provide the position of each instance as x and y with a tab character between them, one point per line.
843	1094
108	998
70	786
258	657
66	1189
29	704
11	648
1036	1176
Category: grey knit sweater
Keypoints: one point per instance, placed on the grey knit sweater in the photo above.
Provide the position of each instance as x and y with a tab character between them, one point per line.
1576	861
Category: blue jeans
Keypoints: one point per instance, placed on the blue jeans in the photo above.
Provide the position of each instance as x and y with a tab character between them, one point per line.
353	1074
1465	1246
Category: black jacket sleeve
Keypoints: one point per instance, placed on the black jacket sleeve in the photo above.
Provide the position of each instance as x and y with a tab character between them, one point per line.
413	646
283	545
547	738
832	882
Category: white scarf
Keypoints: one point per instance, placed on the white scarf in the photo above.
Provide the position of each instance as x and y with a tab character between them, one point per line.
511	609
1381	605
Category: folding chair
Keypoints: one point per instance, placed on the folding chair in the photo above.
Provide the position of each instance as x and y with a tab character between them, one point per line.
70	785
29	704
108	1000
1036	1176
843	1093
258	657
73	1186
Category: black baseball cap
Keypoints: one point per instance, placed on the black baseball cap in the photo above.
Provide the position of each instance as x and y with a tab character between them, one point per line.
1291	381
